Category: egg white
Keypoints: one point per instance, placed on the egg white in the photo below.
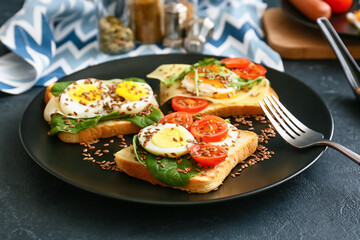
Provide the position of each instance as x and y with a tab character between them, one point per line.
134	107
161	151
69	106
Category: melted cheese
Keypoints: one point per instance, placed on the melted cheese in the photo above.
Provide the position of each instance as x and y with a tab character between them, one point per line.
167	71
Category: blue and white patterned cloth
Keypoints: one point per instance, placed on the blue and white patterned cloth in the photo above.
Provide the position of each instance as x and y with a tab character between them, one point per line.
49	39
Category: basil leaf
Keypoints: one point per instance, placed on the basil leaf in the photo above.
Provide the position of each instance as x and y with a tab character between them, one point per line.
59	87
60	124
142	122
166	169
135	79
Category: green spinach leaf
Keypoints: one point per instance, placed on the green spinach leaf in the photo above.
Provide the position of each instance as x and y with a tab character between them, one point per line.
135	147
170	171
59	123
142	122
59	87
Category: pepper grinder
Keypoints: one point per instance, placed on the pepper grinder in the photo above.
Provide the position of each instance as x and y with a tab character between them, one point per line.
175	19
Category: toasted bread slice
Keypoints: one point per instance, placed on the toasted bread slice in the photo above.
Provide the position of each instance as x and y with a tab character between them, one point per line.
207	179
243	104
234	109
103	129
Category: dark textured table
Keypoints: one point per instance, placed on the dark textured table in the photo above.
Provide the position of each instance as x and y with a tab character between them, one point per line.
321	203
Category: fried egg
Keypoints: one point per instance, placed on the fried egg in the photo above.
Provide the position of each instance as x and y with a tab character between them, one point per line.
213	82
131	97
167	140
85	98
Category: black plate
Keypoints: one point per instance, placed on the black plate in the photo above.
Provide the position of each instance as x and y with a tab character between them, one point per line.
65	161
339	21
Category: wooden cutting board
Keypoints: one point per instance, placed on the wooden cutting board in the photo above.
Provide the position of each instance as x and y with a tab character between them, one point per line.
295	41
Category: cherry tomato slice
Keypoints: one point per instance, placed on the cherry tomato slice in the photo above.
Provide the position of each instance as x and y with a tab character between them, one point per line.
208	154
209	129
182	118
339	6
236	62
189	105
253	71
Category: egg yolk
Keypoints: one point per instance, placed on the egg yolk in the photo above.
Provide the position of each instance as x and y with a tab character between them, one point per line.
212	75
357	15
85	93
131	91
169	138
207	74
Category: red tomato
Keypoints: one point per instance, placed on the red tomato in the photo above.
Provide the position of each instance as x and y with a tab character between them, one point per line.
182	118
339	6
236	62
190	105
208	154
253	71
209	129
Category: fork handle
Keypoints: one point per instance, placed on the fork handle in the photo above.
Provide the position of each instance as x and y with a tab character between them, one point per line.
351	69
349	153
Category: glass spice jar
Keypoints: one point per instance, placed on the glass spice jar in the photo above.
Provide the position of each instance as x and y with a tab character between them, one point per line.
146	20
113	35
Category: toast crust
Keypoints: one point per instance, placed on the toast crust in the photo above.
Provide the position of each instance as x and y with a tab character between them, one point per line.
234	110
48	94
206	180
103	129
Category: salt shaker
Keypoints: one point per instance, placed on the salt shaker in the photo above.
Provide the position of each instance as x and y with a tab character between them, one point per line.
200	30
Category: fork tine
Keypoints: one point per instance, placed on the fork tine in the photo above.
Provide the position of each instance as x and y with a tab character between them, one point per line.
285	118
274	123
279	120
299	124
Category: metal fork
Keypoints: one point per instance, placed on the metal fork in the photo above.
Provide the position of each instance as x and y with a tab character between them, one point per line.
296	133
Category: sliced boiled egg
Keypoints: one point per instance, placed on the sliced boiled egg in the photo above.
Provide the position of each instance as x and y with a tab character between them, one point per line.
166	140
85	98
213	80
354	18
132	97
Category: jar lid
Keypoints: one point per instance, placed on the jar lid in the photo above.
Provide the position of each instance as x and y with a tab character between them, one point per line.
175	7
